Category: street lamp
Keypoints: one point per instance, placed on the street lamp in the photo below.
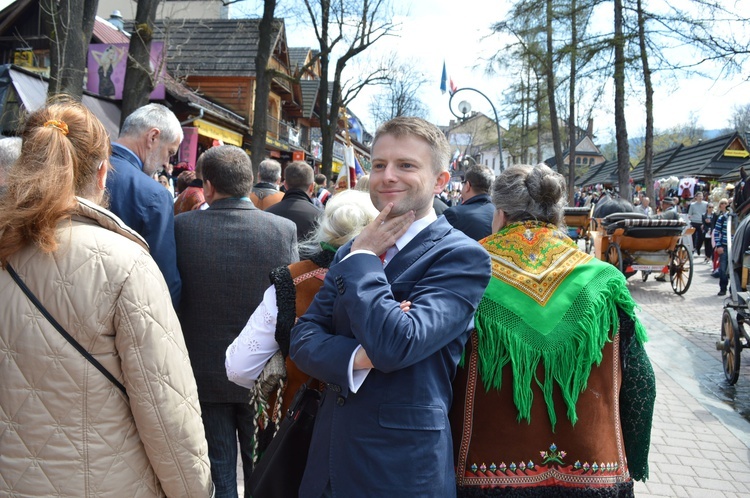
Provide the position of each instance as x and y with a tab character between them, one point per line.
465	108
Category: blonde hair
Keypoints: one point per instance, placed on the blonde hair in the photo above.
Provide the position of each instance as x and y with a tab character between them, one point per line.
345	215
63	146
405	126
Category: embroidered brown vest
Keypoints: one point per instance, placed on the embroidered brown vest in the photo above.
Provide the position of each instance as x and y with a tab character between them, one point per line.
493	449
303	280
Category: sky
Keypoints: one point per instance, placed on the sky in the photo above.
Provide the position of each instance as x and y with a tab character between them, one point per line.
458	32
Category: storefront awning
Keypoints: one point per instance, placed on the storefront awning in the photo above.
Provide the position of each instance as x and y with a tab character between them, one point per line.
211	130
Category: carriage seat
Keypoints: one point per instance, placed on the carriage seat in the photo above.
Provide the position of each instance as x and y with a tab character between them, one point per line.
646	228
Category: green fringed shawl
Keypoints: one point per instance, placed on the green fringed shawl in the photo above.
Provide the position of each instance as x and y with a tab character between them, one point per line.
550	302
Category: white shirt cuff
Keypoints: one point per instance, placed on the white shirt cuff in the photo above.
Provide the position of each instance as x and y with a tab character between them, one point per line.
356	377
359	251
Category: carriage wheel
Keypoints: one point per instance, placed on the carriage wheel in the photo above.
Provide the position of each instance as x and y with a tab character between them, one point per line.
614	255
681	269
730	352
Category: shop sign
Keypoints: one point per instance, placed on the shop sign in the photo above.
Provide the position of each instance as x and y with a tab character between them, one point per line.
275	143
217	132
106	66
736	153
298	155
23	58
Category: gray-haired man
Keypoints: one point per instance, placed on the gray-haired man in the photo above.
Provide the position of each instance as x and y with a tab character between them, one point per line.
148	138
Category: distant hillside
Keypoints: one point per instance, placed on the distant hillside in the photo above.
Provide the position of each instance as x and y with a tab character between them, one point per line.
609	150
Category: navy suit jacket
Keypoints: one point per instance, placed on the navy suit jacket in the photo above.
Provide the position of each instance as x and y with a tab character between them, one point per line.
473	217
392	437
148	208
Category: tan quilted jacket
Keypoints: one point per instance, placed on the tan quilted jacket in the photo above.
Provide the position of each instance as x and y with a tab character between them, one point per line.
65	430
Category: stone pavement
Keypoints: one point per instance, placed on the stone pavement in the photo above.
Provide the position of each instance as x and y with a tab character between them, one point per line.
700	444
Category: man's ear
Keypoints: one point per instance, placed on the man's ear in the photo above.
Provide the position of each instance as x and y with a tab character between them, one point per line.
152	136
208	190
442	180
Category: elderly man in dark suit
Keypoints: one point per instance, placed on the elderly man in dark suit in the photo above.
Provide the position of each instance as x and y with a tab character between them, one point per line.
225	254
297	204
474	215
149	137
382	429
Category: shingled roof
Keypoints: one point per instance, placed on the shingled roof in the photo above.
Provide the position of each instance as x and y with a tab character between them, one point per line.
660	159
605	173
212	47
706	159
297	57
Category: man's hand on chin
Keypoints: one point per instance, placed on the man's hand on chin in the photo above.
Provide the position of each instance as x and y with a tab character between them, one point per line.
383	232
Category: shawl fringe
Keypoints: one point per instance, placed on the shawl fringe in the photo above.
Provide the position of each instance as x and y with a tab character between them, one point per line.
567	354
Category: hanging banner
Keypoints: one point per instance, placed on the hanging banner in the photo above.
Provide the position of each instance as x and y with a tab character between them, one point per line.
189	146
106	69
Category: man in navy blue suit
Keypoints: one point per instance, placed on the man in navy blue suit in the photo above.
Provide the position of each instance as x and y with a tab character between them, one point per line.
474	215
149	137
382	428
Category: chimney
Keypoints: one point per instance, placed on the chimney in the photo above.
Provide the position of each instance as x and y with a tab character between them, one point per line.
590	128
116	20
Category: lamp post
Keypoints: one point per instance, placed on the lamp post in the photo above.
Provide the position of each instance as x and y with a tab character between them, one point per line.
465	108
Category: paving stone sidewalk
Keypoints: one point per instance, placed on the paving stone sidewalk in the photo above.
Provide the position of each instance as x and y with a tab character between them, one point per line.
700	444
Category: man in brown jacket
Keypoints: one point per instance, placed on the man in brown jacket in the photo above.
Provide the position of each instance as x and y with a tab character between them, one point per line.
266	192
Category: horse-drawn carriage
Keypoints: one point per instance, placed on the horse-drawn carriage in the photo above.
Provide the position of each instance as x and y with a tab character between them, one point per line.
633	242
736	315
578	221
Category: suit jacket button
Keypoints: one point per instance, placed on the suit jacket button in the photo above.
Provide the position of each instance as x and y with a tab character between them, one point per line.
340	401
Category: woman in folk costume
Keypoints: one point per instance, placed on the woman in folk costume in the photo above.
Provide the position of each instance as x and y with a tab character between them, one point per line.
293	289
556	394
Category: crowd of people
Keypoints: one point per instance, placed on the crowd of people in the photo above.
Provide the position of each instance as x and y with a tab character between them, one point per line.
477	352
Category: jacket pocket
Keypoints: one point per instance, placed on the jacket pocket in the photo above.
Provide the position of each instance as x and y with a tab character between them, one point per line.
412	417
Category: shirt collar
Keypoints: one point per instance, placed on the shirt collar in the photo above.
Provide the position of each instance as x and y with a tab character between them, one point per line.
415	228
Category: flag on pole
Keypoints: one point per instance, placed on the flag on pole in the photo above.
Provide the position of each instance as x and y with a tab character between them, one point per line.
358	171
444	80
453	86
348	173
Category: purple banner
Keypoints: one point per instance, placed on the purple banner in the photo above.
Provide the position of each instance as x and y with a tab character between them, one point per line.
106	69
189	146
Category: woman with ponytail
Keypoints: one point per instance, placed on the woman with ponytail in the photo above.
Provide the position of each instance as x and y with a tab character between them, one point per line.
120	415
556	393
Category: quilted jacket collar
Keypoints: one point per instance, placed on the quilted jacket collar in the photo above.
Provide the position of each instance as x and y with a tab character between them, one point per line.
108	220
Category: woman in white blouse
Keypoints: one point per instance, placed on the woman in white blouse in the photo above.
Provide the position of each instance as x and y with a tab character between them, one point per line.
292	291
